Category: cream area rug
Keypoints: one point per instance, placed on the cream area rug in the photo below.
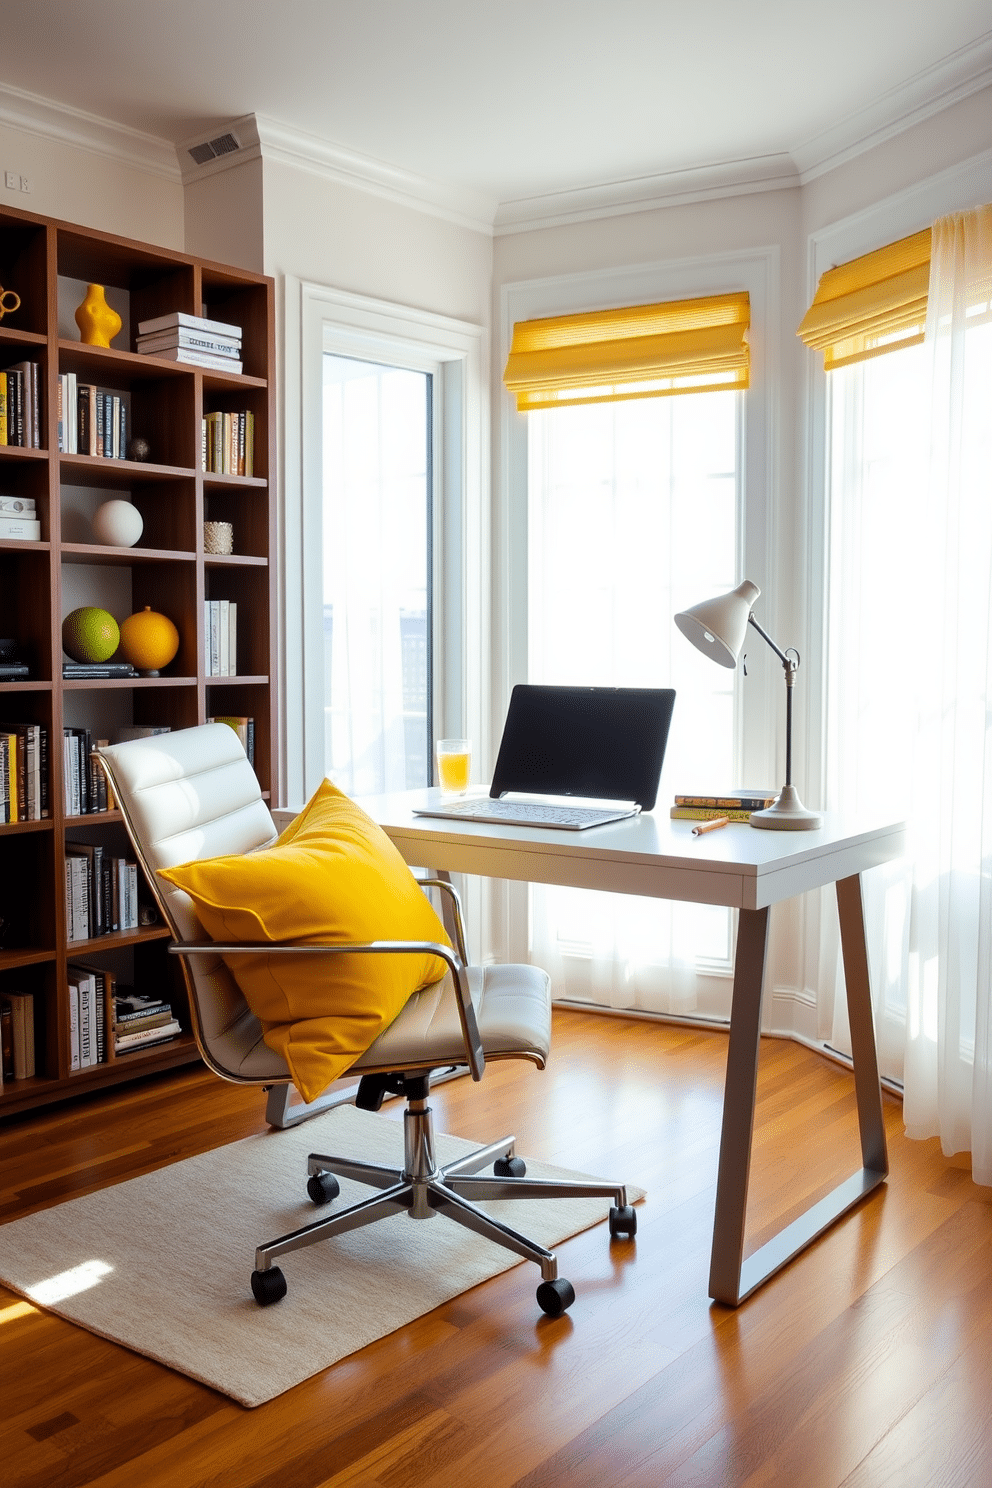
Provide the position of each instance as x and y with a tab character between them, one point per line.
162	1263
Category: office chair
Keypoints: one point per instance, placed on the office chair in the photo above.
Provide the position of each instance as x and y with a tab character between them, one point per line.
192	795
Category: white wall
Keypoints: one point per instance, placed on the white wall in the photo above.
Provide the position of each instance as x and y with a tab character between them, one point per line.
96	190
328	233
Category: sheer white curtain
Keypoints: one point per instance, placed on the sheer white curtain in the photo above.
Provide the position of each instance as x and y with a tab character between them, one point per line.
633	515
948	1079
910	685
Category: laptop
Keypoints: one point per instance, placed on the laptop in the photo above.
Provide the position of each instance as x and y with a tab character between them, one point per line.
603	744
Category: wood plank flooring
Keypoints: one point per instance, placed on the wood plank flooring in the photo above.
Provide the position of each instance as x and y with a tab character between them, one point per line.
864	1364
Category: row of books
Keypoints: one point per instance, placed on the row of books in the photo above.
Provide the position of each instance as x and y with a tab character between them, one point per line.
91	420
220	637
23	772
107	1018
101	891
20	405
16	1036
244	728
229	443
192	339
735	805
19	519
85	782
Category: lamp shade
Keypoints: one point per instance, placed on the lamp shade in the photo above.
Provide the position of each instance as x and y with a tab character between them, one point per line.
717	627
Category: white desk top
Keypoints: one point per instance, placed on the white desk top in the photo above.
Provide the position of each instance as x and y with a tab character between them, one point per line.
741	866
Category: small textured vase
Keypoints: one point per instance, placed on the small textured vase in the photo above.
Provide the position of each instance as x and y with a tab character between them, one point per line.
98	323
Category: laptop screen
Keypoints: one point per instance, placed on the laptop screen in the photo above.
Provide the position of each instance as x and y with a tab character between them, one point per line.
604	742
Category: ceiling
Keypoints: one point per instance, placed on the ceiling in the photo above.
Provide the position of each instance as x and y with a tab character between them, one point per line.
510	99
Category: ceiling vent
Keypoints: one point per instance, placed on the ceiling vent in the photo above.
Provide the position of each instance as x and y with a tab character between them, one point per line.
224	144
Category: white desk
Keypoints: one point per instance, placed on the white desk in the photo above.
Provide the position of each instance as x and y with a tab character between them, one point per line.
745	869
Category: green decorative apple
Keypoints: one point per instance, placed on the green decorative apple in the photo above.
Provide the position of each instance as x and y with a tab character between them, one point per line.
90	634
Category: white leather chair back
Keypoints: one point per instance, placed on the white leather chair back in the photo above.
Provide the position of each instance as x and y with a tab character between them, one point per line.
187	795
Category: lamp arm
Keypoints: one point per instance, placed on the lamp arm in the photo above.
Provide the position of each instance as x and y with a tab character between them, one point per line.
790	663
786	660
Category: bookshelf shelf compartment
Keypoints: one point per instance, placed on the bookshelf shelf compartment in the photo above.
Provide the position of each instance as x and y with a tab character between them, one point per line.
49	263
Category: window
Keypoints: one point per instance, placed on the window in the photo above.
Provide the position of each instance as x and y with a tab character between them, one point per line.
618	513
385	520
378	497
635	514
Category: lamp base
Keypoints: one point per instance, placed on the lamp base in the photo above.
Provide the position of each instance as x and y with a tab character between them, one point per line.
788	814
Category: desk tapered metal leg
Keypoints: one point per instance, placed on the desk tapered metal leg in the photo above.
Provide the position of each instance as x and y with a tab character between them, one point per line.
850	908
731	1277
738	1107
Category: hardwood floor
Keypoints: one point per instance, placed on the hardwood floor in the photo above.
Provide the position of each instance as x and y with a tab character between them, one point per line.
865	1363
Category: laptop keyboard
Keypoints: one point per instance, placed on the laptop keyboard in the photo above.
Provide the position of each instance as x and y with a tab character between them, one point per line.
531	813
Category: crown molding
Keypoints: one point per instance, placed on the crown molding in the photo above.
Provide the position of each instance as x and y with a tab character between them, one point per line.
290	146
646	193
922	97
268	139
70	126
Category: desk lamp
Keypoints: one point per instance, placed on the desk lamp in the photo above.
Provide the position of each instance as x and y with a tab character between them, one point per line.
717	627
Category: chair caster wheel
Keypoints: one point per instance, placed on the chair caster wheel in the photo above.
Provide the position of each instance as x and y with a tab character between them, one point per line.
623	1222
323	1187
268	1286
510	1167
555	1297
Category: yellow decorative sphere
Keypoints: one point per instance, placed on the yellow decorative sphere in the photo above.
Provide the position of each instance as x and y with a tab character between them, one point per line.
149	640
90	634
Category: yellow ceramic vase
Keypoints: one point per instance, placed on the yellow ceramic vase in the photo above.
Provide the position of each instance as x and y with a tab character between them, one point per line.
98	323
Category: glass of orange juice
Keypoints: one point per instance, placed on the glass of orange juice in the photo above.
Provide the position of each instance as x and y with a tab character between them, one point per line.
454	762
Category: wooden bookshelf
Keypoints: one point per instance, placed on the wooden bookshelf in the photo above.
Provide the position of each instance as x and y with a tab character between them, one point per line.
48	263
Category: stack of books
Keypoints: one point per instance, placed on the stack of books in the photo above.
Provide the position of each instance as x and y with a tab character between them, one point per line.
18	519
191	338
140	1022
735	804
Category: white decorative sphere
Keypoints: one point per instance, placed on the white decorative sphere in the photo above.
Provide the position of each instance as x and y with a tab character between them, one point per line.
118	524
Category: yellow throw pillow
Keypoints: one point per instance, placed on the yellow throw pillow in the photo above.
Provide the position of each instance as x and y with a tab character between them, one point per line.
333	876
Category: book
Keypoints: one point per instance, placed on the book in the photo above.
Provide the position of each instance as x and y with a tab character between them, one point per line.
7	1040
3	408
99	1002
73	978
159	341
82	670
80	870
139	731
741	800
22	1020
19	529
186	354
177	318
124	1042
709	813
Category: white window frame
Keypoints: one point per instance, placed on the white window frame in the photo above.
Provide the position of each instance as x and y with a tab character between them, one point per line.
758	272
319	318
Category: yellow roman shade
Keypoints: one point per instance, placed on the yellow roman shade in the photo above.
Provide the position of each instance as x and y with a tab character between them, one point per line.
640	351
871	305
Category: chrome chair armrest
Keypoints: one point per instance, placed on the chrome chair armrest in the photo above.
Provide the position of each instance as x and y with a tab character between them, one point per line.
466	1012
449	889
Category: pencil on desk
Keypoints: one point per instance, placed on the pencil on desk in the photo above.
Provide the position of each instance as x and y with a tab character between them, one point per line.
711	826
